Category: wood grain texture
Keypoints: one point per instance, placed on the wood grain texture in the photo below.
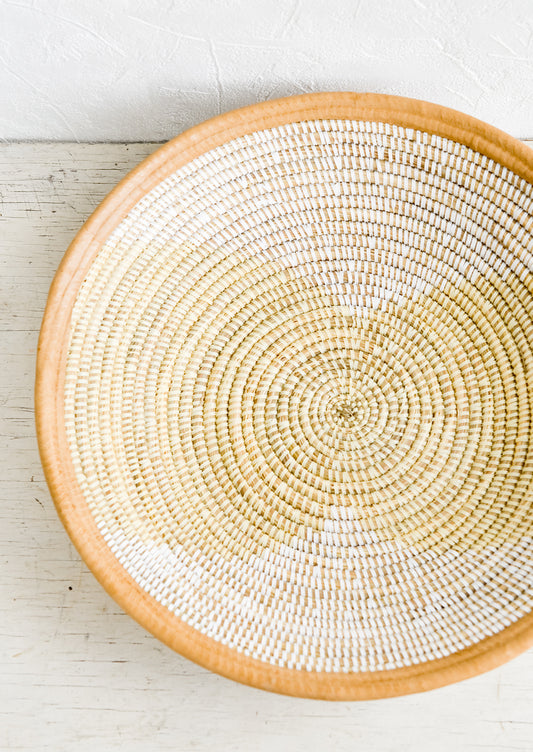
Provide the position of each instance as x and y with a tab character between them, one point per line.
77	672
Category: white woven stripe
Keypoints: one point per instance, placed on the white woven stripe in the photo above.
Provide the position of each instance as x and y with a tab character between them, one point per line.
297	395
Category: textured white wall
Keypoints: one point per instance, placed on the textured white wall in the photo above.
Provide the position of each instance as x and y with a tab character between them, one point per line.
147	69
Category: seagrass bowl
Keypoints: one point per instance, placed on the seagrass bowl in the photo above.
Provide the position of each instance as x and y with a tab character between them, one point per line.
284	395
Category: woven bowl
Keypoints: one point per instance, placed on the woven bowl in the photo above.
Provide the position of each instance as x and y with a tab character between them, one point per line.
284	395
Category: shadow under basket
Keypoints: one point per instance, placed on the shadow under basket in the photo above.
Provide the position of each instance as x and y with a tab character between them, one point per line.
284	395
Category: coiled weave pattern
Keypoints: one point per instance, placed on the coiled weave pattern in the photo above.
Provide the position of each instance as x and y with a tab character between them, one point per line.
298	395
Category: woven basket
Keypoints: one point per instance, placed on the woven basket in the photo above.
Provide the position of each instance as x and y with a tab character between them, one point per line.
284	395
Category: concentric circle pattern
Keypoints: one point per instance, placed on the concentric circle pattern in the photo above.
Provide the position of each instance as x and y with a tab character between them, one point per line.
298	395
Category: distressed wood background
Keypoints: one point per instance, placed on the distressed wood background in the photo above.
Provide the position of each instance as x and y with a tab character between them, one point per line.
77	673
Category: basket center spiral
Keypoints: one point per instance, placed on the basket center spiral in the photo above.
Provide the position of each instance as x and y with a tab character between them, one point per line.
298	395
350	414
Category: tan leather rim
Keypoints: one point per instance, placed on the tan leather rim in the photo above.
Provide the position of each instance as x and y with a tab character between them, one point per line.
58	468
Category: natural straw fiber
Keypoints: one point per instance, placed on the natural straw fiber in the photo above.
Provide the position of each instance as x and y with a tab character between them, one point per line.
296	400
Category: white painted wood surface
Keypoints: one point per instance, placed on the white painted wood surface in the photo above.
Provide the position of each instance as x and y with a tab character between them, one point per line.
77	673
